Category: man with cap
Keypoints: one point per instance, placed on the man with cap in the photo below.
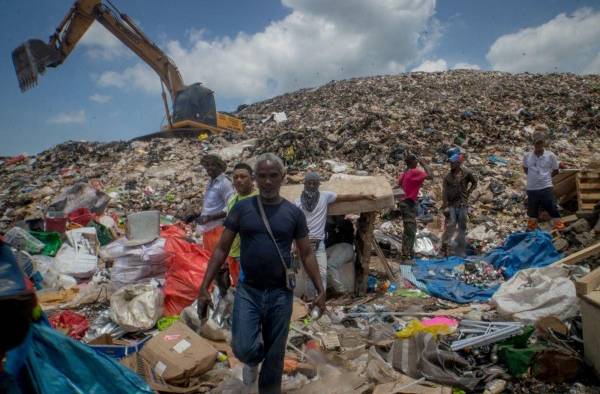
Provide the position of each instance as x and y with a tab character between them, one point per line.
218	191
540	166
411	181
314	204
458	185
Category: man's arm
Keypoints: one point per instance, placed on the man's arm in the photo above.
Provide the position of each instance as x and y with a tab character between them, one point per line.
307	255
209	218
472	184
555	165
216	261
354	197
525	169
426	169
444	193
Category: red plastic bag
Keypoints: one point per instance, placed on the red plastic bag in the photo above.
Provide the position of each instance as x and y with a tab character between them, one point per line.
186	267
73	324
171	230
81	216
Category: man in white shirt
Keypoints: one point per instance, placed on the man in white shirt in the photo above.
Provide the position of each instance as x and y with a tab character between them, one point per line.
314	203
540	166
218	190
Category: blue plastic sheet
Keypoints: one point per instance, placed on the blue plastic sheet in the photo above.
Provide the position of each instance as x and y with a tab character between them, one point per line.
57	364
520	250
524	250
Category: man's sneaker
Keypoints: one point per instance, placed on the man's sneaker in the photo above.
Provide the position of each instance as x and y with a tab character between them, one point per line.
249	374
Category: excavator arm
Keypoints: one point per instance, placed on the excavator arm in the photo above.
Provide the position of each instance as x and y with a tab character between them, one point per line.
193	106
32	58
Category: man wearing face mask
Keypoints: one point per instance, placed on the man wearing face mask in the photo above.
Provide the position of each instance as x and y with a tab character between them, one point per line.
314	204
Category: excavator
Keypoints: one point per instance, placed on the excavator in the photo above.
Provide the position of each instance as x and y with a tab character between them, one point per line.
193	112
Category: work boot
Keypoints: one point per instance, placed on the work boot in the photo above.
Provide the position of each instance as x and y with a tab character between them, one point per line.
532	224
249	374
558	225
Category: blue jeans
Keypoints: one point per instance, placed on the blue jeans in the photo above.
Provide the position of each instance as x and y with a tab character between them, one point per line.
456	219
261	320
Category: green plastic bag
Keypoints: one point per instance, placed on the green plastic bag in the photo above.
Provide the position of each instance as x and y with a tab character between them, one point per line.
166	322
517	354
51	241
102	232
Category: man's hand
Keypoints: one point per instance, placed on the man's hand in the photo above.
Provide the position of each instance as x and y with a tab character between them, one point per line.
204	301
203	219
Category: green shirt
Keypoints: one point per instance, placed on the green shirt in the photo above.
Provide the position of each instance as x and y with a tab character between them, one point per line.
235	246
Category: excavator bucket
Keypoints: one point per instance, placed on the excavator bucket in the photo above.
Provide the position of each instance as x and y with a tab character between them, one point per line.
31	59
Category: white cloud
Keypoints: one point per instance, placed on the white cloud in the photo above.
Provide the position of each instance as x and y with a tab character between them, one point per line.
101	44
65	118
139	76
430	66
465	66
317	42
567	43
100	98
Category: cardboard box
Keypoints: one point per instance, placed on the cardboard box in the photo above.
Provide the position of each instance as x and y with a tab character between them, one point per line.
178	354
117	348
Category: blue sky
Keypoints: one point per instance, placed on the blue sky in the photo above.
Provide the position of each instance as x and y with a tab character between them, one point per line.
247	51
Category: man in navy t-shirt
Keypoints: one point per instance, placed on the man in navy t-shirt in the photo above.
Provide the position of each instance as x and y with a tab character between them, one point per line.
263	304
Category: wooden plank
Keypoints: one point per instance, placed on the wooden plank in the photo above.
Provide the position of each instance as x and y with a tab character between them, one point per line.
364	239
590	317
590	196
383	260
580	255
569	219
590	174
587	207
577	184
588	283
589	186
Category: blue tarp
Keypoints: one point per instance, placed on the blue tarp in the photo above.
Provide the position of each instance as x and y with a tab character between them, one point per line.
520	250
57	364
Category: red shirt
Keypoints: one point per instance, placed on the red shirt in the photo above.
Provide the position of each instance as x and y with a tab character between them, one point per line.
411	181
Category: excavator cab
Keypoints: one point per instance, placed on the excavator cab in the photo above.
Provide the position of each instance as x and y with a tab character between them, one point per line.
31	59
196	103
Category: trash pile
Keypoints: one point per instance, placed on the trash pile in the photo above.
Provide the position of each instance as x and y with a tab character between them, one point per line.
96	227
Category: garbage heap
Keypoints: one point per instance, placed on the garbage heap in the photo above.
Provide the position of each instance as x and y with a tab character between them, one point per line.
490	322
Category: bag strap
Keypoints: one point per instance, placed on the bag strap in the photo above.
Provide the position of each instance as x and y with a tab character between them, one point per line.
268	226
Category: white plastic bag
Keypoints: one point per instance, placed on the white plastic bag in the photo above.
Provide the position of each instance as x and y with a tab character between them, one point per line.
339	276
535	293
135	264
137	307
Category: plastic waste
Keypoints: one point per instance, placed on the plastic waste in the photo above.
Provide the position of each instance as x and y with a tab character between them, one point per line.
415	327
23	240
135	264
103	325
137	307
71	323
535	293
80	195
51	240
52	279
186	267
340	267
59	364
